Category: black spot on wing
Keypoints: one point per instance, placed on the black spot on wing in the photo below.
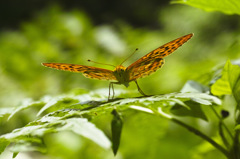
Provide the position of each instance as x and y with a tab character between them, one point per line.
166	48
158	59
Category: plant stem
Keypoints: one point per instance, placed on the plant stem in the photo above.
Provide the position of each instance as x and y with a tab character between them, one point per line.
234	151
192	129
200	134
224	125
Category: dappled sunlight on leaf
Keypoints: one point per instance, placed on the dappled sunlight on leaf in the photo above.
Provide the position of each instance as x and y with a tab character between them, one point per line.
226	6
229	82
71	113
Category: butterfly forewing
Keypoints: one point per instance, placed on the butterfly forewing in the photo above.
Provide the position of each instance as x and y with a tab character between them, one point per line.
88	71
145	68
153	60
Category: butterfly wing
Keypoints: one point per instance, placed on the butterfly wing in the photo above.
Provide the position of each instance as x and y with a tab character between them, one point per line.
154	60
88	71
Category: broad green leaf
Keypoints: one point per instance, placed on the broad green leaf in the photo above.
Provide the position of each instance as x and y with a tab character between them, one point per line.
171	99
3	144
194	111
116	126
193	87
72	118
201	98
237	127
225	6
27	103
59	102
51	124
6	111
28	145
229	82
89	101
84	128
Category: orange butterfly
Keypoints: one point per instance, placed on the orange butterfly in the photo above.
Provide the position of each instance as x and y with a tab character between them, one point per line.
123	75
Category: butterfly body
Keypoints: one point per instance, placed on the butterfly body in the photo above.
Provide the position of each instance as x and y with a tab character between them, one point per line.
143	67
121	75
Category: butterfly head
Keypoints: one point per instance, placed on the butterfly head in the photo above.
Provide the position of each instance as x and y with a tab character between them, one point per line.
121	75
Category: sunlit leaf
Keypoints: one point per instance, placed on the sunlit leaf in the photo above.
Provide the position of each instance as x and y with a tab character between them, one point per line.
51	124
193	87
28	145
6	111
3	144
59	102
229	82
225	6
75	108
84	128
147	110
27	103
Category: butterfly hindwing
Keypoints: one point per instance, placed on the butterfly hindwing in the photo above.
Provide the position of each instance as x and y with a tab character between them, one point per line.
153	60
88	71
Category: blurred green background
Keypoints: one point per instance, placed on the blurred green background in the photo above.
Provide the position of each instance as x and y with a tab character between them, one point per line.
32	32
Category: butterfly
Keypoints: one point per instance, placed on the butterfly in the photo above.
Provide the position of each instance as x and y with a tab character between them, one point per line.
143	67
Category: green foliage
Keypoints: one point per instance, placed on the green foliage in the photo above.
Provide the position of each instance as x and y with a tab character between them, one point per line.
225	6
194	110
74	117
80	123
4	143
229	82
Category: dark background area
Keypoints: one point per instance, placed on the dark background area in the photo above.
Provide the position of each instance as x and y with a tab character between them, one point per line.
137	13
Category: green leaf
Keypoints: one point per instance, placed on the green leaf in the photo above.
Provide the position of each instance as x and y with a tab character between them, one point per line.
51	124
15	154
72	118
60	101
193	86
28	145
229	82
116	126
3	144
194	111
6	111
237	127
27	103
201	98
146	110
87	129
225	6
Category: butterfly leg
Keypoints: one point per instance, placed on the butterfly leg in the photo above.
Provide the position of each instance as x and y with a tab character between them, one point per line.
111	87
139	89
113	91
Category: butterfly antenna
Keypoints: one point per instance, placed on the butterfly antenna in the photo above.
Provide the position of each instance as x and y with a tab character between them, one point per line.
129	56
101	63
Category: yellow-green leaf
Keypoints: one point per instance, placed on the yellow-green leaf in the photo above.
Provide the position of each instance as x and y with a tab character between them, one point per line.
225	6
